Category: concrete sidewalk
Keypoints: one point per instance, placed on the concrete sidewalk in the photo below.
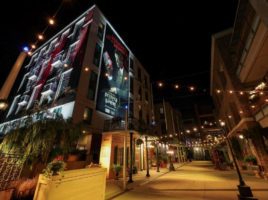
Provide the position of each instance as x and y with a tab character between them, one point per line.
115	187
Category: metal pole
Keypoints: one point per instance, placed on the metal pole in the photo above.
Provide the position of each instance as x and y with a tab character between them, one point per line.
147	159
131	168
157	158
125	151
244	190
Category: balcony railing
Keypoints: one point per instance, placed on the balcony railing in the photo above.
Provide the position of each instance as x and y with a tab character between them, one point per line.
116	124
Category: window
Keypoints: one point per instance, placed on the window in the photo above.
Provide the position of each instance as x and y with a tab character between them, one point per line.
100	31
146	96
146	81
139	74
163	128
140	94
140	114
97	54
131	63
87	115
131	109
92	85
131	86
148	119
161	111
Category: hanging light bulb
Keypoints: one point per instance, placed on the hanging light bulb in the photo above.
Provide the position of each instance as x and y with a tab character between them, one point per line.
33	46
40	37
192	88
51	21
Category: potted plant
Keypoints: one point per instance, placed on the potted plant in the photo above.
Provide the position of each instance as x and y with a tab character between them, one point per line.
54	168
117	168
165	161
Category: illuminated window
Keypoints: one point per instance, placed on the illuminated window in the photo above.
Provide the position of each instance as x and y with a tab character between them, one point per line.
92	85
97	54
87	115
100	31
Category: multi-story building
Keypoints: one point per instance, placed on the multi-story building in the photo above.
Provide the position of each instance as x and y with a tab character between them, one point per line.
239	64
168	124
87	72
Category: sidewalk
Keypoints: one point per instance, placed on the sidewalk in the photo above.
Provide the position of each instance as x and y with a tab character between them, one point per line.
115	187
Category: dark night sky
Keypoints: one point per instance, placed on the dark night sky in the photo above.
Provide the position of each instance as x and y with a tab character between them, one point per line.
171	38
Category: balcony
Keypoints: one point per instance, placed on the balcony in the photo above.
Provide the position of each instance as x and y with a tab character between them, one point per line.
117	124
34	74
48	89
57	60
24	100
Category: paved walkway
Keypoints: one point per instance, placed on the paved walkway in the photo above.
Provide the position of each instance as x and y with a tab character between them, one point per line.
115	187
195	181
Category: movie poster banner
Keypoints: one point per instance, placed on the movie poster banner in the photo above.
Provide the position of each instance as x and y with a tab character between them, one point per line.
113	83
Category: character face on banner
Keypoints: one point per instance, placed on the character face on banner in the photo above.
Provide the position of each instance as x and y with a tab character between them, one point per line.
113	86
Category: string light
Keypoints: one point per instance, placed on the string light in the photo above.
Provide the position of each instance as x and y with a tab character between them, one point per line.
33	46
231	91
51	21
252	106
241	112
125	78
86	69
191	88
229	116
176	86
40	37
65	64
261	93
241	92
160	84
266	100
218	91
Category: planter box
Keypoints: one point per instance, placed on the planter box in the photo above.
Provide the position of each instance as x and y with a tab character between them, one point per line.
74	184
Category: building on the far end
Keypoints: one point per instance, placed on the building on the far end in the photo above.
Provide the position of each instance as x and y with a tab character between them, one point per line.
168	124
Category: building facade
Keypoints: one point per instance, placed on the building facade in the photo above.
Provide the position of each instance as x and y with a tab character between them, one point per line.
87	72
239	65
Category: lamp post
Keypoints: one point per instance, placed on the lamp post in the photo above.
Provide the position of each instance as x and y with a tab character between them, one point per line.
157	157
171	167
244	190
147	158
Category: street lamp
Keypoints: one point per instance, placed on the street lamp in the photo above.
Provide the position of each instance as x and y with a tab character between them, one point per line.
244	190
3	105
171	167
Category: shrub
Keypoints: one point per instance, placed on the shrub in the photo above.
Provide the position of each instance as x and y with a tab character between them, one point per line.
250	158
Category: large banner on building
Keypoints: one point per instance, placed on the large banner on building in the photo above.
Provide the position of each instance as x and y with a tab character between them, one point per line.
113	83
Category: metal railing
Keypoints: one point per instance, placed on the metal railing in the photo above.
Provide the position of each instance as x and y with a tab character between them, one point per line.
116	124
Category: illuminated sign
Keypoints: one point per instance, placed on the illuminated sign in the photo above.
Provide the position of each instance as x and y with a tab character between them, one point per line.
113	83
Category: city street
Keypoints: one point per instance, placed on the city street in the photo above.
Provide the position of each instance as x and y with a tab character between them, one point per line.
197	180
